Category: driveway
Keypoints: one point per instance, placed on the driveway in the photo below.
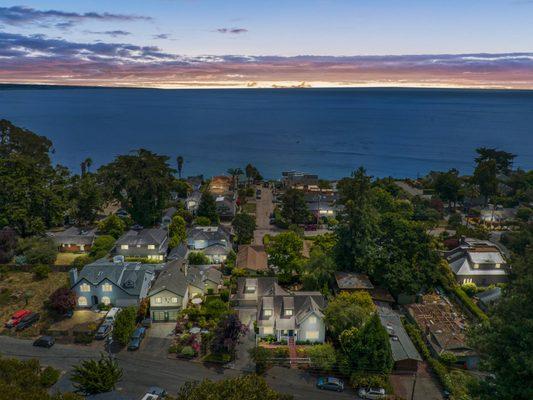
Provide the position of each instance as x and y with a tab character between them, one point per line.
264	208
425	385
158	339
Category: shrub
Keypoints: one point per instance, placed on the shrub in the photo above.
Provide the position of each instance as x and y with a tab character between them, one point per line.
104	307
83	337
38	250
175	348
102	245
469	288
188	351
113	226
197	258
260	356
224	295
202	221
448	358
125	325
62	300
364	379
469	304
322	356
41	272
49	376
81	261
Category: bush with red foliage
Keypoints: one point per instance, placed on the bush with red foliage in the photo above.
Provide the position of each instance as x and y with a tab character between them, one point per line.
62	300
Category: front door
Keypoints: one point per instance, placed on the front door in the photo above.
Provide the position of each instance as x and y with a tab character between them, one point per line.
95	300
291	333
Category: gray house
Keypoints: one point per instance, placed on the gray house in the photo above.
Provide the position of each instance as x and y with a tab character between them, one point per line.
176	284
213	241
477	261
283	314
193	201
74	239
117	283
166	219
226	207
147	243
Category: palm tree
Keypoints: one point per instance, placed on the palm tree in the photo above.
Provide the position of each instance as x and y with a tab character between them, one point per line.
88	163
234	172
179	160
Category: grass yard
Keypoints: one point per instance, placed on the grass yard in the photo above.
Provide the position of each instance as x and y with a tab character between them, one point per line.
15	287
66	258
249	208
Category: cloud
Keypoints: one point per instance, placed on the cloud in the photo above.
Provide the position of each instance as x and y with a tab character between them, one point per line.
115	33
234	31
42	59
21	15
162	36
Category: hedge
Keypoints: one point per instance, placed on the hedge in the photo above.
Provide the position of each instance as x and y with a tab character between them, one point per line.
469	304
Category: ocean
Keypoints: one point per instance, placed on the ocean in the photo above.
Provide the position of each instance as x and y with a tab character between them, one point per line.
331	132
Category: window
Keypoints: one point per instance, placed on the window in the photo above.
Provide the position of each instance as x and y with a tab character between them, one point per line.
151	247
288	312
267	313
312	319
124	247
249	289
476	266
268	330
312	335
497	265
107	287
85	288
174	299
106	300
138	246
82	301
467	280
158	300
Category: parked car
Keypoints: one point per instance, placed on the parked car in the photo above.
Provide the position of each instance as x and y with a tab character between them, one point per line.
27	321
155	393
258	194
137	338
330	383
16	318
112	314
147	322
44	341
371	393
104	330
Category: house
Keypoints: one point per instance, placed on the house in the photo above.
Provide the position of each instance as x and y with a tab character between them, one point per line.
486	299
176	284
477	261
195	182
193	201
298	179
351	281
281	313
74	239
226	207
220	185
252	257
444	328
180	252
167	216
112	282
146	243
406	357
213	241
322	204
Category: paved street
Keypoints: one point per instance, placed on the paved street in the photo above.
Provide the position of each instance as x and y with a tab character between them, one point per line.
264	208
143	369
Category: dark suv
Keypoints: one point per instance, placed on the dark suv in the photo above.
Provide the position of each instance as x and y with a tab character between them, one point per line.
27	321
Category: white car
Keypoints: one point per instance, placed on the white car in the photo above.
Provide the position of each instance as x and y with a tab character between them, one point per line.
371	393
112	314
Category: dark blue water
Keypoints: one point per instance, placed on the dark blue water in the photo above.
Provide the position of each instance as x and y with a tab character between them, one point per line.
397	132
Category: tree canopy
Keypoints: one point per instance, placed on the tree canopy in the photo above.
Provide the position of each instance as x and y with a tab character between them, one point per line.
244	226
294	208
284	252
348	310
208	208
177	231
96	376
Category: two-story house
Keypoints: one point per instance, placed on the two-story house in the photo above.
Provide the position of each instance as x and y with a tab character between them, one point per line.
226	207
193	201
282	313
176	284
146	243
74	239
112	282
213	241
477	261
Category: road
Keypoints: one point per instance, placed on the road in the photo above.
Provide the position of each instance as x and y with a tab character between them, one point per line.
143	369
264	208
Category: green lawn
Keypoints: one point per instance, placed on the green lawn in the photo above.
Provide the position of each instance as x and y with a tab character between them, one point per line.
249	208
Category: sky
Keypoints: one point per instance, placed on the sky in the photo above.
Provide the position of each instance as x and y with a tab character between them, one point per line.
249	43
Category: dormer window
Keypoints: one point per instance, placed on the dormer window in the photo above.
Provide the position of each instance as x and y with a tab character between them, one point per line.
476	266
106	287
288	312
151	247
85	287
267	313
497	265
124	247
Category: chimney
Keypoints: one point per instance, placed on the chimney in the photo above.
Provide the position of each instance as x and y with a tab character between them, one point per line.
73	276
185	268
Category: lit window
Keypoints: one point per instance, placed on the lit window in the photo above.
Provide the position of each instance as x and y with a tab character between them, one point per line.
158	300
106	300
311	335
138	246
268	330
124	247
151	247
476	266
82	301
497	265
312	320
174	299
267	313
85	288
288	312
106	287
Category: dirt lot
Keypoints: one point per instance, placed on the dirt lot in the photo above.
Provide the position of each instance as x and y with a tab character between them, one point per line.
19	290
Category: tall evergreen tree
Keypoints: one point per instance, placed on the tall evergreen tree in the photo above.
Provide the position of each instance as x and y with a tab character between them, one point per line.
294	208
208	208
96	376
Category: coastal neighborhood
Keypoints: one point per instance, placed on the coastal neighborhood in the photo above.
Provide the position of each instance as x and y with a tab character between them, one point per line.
358	287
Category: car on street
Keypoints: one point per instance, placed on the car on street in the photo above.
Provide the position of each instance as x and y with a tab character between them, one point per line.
258	194
44	341
330	383
136	338
16	318
371	393
27	321
104	330
155	393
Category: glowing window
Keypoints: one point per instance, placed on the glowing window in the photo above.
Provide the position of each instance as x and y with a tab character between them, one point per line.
106	287
82	301
85	287
106	300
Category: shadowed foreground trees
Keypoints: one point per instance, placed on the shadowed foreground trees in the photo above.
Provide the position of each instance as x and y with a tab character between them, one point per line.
96	376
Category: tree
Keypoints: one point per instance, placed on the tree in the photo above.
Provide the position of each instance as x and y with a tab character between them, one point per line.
62	300
202	221
368	348
285	253
319	272
125	325
485	178
505	341
96	376
87	198
323	356
141	182
33	193
227	334
112	225
502	159
244	227
235	173
356	248
177	231
294	208
182	188
38	250
447	185
197	258
8	244
252	173
239	388
348	310
179	161
102	245
208	208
